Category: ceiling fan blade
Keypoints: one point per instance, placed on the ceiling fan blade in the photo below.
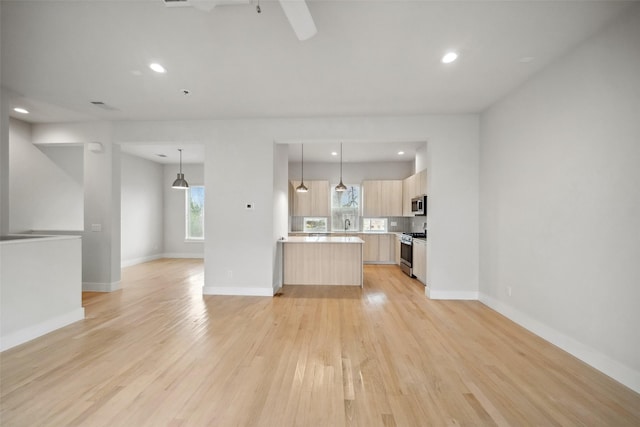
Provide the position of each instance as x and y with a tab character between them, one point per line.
300	18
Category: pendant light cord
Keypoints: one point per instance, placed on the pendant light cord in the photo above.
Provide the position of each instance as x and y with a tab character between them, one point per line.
341	162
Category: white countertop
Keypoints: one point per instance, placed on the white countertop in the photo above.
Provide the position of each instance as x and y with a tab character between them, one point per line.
323	239
33	238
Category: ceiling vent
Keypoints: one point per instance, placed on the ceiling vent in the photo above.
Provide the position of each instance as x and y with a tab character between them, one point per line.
206	5
104	106
176	3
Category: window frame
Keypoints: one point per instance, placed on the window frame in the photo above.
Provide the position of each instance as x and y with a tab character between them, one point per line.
365	220
187	222
354	216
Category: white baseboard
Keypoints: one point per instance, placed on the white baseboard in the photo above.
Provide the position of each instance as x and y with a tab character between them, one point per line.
619	372
182	255
238	291
100	287
43	328
135	261
451	295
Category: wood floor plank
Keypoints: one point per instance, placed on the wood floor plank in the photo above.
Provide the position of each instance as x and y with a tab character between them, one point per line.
159	353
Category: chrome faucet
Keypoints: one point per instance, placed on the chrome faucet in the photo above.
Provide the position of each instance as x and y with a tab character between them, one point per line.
347	224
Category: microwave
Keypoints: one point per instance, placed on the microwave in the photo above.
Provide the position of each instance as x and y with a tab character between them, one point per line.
419	205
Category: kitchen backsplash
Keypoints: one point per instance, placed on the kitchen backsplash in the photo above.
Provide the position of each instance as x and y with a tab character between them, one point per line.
418	224
296	224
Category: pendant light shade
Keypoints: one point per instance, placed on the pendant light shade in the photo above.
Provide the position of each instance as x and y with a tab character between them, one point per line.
180	183
302	188
341	187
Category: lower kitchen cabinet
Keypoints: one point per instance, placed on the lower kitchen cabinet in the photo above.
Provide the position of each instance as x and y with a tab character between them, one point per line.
378	248
397	253
420	260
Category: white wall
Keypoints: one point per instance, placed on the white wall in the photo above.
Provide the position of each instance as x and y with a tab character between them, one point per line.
560	202
142	210
421	160
240	168
40	291
280	209
45	183
4	161
100	249
175	245
452	211
352	173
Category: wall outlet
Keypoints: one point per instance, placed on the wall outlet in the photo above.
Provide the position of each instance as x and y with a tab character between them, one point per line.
96	227
394	224
509	290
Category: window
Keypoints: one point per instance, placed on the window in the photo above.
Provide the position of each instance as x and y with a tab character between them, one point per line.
345	208
194	212
374	224
315	225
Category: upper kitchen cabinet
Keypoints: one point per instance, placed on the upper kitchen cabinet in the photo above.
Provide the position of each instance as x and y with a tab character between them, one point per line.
382	198
421	183
314	202
413	186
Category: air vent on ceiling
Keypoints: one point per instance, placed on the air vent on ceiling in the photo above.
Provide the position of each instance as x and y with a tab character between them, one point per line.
104	106
176	3
206	5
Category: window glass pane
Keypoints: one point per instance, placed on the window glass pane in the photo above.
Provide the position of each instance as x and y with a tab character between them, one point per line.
345	209
195	212
315	225
374	224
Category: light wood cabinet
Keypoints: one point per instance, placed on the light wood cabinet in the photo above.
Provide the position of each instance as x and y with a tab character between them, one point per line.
413	186
386	248
315	202
398	249
382	198
378	248
420	260
333	261
370	249
408	192
421	183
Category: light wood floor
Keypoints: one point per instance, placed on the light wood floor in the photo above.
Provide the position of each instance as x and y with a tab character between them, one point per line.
158	353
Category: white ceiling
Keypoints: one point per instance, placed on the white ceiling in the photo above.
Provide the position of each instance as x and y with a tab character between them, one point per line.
368	57
314	151
191	153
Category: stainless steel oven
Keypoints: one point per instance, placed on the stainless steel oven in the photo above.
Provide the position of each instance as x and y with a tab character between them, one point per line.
406	252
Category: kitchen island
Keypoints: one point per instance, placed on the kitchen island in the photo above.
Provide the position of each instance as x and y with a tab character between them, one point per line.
323	260
40	286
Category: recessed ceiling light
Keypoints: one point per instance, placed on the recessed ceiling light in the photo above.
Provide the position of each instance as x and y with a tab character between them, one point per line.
161	155
334	153
526	59
449	57
157	68
20	110
400	153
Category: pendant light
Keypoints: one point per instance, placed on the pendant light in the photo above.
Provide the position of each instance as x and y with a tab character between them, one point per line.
302	188
341	187
180	183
